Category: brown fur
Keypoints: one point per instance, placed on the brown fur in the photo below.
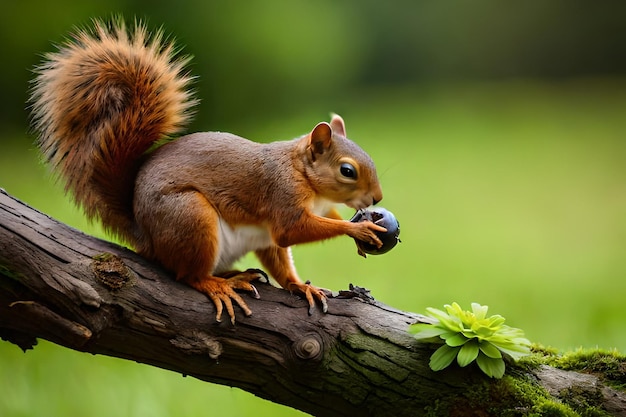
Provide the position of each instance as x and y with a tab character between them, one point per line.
197	203
88	104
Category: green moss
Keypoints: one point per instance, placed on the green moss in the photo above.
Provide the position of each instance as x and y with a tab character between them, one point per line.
548	408
608	365
103	257
518	395
544	350
511	396
584	401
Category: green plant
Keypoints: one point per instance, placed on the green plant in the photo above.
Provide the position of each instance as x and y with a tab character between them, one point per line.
469	336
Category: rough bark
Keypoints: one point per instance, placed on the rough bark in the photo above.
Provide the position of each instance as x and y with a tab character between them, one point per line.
90	295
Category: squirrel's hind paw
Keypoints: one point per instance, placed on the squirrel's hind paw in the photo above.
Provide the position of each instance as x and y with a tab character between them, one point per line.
222	291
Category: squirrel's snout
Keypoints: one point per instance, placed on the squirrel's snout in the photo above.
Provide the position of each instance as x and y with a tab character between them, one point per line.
363	202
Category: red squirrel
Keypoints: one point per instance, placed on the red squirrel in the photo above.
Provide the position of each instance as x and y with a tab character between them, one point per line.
103	102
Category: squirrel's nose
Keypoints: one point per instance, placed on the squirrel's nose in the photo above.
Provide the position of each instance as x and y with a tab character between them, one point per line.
377	194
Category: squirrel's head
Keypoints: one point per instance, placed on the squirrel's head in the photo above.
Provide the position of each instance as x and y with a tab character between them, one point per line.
338	169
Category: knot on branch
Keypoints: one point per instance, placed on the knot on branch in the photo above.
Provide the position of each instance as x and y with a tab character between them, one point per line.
198	343
111	271
310	346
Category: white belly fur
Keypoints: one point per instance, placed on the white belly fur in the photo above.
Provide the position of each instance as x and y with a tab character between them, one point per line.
235	242
238	241
321	206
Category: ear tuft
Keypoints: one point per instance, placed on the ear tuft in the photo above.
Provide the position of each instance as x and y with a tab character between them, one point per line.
338	125
320	139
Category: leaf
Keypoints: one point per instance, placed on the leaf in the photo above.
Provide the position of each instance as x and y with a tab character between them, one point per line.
515	351
492	367
496	321
518	345
454	309
482	331
467	353
490	350
437	314
420	327
426	331
510	333
445	320
456	339
472	336
479	311
469	334
442	357
464	318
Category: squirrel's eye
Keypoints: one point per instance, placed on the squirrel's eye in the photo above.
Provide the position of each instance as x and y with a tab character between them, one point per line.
347	170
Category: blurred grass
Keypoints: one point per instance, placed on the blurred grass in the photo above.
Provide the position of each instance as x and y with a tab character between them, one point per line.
510	194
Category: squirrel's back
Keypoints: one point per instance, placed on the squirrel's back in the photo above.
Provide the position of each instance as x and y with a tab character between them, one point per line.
98	104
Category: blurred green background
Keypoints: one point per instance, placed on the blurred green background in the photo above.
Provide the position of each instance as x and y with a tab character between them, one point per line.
499	134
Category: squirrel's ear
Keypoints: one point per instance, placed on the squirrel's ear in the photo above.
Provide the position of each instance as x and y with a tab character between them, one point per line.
320	139
337	124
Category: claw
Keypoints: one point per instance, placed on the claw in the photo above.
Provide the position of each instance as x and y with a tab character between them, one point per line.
259	272
255	293
311	293
222	292
218	307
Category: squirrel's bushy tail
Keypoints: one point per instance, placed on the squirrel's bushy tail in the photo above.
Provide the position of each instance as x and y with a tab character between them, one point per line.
99	103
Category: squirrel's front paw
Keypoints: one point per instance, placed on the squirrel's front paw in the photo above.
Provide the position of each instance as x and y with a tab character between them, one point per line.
311	293
365	232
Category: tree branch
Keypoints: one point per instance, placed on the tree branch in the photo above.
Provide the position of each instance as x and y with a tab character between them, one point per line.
90	295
